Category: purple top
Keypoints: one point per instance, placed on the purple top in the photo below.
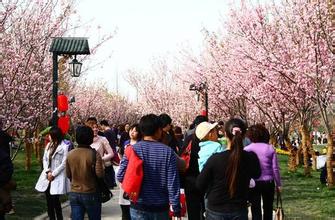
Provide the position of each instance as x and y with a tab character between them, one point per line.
268	160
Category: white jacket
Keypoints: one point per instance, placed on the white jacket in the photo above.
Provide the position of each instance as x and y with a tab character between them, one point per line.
61	184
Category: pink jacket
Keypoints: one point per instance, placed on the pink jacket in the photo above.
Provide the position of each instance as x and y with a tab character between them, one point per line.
101	145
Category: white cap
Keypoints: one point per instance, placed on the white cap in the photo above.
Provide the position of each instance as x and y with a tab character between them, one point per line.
204	128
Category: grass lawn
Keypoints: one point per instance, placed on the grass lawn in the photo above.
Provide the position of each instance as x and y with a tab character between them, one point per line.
27	201
303	198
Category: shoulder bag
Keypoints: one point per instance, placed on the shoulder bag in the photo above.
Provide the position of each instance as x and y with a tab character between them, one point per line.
102	187
133	177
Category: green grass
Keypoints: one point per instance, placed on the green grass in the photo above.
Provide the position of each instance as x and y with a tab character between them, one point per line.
304	197
27	201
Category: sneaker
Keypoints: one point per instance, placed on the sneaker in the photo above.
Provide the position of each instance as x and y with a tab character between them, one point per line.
11	212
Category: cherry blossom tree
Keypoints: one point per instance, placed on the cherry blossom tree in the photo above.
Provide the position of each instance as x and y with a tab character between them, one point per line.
264	65
160	90
27	28
95	100
282	36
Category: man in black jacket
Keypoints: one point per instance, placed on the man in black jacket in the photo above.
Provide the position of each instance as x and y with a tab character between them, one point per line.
194	198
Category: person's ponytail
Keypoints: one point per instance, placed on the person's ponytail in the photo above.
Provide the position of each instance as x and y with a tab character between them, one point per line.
235	130
234	162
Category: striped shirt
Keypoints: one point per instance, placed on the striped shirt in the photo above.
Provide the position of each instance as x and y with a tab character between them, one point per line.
160	185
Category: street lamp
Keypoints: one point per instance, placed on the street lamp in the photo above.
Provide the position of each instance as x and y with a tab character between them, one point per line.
65	46
75	67
201	88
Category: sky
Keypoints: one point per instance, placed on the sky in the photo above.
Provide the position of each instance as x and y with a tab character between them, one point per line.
145	29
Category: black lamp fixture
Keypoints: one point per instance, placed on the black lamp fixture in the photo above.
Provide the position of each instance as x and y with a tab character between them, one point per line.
75	67
201	88
193	87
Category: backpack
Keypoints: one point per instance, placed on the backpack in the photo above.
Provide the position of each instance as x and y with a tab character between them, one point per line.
186	155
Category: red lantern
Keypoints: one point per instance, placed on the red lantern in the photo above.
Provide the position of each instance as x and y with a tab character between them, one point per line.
62	103
64	123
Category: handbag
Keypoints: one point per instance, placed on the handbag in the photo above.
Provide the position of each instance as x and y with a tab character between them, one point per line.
279	211
116	159
133	177
102	187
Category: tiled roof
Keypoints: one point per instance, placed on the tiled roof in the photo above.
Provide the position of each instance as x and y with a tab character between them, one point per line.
70	45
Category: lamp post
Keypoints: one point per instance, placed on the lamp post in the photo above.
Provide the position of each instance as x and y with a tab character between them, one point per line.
201	88
65	46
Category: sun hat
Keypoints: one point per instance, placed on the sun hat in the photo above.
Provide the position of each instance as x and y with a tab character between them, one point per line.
204	128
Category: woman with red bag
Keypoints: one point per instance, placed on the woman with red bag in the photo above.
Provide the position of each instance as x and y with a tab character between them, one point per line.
135	136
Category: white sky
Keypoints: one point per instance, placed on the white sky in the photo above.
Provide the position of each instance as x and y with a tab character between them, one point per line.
146	29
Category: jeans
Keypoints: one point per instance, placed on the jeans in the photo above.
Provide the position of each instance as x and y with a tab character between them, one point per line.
237	215
144	215
81	202
54	206
263	190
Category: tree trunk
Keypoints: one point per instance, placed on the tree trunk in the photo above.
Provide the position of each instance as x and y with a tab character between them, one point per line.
292	165
305	145
330	161
40	146
35	143
298	156
273	140
28	150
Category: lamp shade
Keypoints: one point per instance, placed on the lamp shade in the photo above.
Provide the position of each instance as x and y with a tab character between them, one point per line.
75	67
62	103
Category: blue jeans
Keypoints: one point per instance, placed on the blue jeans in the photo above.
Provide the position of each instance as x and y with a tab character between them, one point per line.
81	202
144	215
237	215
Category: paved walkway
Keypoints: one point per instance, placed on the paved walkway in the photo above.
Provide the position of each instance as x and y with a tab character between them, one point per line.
110	210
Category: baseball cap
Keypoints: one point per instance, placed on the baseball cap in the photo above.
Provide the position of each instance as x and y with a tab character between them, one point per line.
204	128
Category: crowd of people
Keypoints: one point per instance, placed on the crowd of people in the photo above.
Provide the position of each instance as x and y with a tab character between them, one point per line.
221	167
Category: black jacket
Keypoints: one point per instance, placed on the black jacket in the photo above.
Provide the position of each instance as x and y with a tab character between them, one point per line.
213	180
6	167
